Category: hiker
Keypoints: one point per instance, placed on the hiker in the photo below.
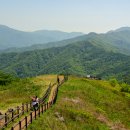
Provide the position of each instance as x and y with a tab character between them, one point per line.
37	101
34	102
58	79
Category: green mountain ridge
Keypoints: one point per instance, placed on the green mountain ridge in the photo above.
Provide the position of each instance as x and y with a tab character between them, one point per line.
79	58
103	55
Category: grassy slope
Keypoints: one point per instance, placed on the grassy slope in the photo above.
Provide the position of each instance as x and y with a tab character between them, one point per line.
20	91
86	105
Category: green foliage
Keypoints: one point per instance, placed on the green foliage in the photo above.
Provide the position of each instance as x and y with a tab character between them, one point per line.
113	82
80	58
95	54
84	104
17	92
6	78
125	87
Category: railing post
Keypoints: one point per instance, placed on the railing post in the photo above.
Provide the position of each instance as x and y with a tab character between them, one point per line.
58	80
42	108
30	105
27	107
35	114
12	115
49	104
6	119
22	108
45	107
26	123
39	111
12	128
31	117
18	111
19	125
52	100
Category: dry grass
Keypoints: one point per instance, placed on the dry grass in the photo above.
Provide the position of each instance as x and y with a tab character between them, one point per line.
19	92
46	78
55	87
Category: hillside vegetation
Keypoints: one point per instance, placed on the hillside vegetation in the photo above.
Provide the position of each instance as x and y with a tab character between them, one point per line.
19	91
84	104
80	58
6	78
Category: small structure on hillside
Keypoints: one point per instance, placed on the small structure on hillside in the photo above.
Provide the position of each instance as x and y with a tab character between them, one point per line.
93	77
88	76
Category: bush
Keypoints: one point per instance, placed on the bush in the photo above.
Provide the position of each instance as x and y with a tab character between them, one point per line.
5	78
125	87
113	82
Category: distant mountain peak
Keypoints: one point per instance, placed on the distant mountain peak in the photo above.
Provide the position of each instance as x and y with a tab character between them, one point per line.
92	33
7	28
120	29
4	27
10	37
123	29
57	31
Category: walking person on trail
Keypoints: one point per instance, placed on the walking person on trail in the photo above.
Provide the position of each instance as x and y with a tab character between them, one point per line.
37	102
34	103
58	79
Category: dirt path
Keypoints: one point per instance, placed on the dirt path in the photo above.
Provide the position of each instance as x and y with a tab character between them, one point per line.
54	88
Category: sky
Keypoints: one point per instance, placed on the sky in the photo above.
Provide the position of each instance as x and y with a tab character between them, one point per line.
66	15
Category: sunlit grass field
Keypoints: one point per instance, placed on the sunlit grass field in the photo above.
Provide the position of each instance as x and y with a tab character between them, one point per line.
84	104
21	90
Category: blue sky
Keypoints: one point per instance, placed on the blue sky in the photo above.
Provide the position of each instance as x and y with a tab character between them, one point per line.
65	15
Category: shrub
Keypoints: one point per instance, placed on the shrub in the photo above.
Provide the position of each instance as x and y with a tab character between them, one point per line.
125	87
113	82
5	78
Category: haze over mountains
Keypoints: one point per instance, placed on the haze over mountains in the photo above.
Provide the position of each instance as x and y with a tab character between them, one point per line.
14	38
18	41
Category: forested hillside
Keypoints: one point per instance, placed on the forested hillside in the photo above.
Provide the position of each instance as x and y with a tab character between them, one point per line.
80	58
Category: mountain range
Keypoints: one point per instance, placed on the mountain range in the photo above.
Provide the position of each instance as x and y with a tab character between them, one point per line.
116	41
104	55
80	58
10	38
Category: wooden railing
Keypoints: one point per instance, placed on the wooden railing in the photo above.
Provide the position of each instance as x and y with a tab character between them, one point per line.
21	110
23	124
